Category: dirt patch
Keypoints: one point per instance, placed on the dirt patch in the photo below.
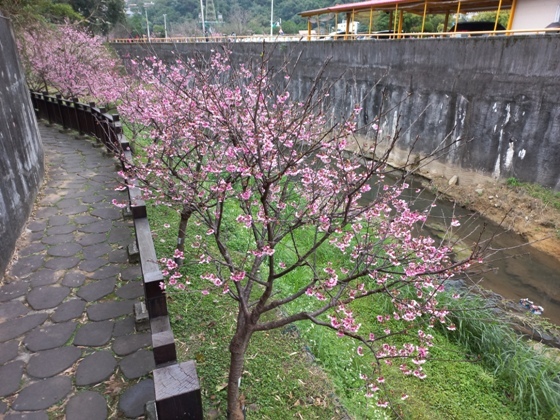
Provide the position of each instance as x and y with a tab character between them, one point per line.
511	207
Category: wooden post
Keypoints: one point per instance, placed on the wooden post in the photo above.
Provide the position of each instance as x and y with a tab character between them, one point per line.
178	392
90	119
77	116
60	113
163	341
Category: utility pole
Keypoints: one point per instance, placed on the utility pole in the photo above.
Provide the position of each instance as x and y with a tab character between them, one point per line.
165	25
271	16
147	24
202	17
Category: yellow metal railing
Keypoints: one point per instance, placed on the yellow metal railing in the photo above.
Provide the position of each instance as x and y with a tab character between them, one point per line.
340	37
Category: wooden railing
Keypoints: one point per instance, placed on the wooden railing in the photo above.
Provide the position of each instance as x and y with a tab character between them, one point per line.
86	119
177	388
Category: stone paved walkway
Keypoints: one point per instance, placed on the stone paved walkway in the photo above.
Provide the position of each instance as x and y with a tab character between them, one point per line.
68	346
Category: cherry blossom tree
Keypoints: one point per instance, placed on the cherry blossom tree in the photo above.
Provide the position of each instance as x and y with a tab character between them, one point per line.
272	186
71	61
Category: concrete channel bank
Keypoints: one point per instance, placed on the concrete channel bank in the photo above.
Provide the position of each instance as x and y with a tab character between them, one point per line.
499	96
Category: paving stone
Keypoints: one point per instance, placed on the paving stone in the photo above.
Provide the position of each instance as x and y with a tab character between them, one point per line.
26	265
69	202
137	364
124	327
111	213
94	334
45	338
68	249
74	210
43	394
105	272
93	264
98	187
58	221
77	193
73	279
58	239
105	178
119	256
131	273
13	290
109	310
95	368
33	248
8	351
91	239
43	277
85	220
97	289
3	407
132	401
102	226
90	199
61	230
131	290
35	415
13	309
115	195
45	212
36	226
11	374
51	362
45	297
130	343
36	236
97	250
87	405
15	328
121	234
69	310
50	199
62	263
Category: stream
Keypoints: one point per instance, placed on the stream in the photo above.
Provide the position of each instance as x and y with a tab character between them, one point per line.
515	270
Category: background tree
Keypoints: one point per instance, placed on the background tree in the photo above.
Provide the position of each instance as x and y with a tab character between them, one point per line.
272	187
27	13
255	19
491	17
101	15
238	20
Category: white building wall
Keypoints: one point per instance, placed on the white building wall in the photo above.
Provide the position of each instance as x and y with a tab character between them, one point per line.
535	14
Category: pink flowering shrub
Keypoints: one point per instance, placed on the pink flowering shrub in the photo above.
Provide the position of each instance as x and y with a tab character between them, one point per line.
71	61
262	170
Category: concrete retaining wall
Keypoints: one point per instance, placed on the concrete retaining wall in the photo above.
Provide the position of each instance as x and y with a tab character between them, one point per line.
21	150
500	96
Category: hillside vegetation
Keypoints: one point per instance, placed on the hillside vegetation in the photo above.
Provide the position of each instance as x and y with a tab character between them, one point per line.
247	17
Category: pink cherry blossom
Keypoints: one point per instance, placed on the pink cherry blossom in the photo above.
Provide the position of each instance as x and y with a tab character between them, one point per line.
258	172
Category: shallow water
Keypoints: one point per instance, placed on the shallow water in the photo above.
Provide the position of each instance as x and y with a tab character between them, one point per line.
514	269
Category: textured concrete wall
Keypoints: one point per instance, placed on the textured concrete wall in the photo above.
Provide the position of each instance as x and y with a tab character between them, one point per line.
500	96
21	150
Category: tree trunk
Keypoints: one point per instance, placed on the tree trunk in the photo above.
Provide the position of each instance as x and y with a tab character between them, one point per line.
237	348
185	216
